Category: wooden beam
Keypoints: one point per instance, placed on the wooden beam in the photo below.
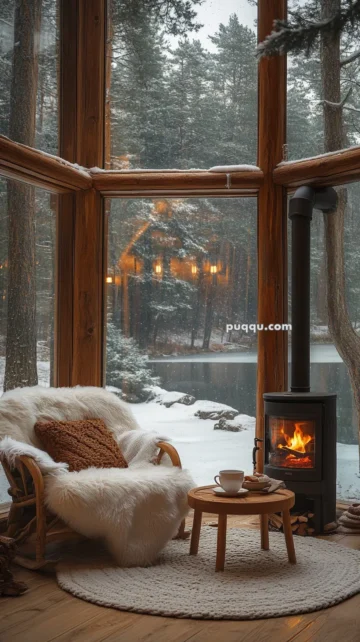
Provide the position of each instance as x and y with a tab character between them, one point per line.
111	183
89	282
335	168
89	272
68	81
64	291
92	18
29	165
272	218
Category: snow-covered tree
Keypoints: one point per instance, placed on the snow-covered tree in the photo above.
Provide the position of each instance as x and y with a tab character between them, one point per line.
127	367
235	88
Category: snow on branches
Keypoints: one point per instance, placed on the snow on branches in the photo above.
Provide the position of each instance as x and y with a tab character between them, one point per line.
301	33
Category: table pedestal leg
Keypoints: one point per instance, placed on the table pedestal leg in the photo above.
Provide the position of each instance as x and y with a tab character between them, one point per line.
264	529
195	535
221	543
289	537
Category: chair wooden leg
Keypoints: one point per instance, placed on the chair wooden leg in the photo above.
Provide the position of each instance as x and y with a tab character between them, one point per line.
12	521
289	537
195	535
40	546
36	565
264	529
221	543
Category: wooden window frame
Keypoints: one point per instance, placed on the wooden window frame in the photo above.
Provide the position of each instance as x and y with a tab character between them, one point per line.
81	233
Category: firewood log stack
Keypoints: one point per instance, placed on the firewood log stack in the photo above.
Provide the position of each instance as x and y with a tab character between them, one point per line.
8	586
301	524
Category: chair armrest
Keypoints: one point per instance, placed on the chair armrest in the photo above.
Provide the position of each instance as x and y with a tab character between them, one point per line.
35	473
28	497
22	464
169	450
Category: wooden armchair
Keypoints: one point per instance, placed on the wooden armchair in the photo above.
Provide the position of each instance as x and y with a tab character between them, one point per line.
31	523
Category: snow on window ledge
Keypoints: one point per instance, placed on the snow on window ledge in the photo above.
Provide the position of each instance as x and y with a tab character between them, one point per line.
221	169
228	169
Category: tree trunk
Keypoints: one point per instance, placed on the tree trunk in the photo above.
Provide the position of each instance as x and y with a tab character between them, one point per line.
247	280
147	292
195	321
20	367
209	312
346	340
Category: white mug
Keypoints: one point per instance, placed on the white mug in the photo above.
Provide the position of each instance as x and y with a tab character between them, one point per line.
230	480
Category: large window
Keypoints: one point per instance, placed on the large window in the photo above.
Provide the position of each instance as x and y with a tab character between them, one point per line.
328	371
27	288
29	62
179	272
184	101
323	90
146	89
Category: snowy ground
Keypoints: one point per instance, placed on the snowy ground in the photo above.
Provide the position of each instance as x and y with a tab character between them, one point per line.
205	451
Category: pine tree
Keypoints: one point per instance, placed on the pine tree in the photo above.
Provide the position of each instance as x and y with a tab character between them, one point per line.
21	367
192	110
138	92
235	85
126	367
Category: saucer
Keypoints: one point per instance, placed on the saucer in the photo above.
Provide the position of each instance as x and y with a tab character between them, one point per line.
223	493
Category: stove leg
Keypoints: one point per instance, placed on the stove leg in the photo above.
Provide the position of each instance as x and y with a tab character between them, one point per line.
264	530
289	537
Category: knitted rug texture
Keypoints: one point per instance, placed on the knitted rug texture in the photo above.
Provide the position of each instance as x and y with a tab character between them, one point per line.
256	584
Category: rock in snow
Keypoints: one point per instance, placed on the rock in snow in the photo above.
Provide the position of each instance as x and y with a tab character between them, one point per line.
232	425
177	397
213	410
168	398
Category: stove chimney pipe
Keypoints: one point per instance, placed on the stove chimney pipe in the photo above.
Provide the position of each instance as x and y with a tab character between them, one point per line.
301	206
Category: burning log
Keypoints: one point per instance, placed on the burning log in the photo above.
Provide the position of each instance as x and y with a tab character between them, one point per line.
295	453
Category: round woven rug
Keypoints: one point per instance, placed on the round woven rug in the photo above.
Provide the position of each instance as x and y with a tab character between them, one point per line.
255	584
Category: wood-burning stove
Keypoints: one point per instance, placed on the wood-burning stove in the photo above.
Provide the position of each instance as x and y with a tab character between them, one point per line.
300	448
300	426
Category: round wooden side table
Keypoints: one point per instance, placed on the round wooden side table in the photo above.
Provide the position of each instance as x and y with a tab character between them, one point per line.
204	500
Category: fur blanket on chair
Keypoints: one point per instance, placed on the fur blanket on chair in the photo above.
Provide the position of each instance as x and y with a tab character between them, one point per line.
137	509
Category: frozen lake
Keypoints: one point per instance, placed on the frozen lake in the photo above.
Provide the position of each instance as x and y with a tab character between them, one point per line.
320	353
230	378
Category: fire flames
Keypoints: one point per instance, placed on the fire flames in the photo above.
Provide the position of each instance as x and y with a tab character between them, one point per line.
296	443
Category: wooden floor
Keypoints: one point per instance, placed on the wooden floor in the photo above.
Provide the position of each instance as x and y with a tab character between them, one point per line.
47	613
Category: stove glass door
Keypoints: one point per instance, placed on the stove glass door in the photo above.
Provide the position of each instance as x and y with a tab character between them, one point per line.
292	442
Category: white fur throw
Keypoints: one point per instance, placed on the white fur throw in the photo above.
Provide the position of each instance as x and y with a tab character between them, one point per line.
10	449
137	509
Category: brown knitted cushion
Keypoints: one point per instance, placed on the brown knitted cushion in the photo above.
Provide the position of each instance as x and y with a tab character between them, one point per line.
80	444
